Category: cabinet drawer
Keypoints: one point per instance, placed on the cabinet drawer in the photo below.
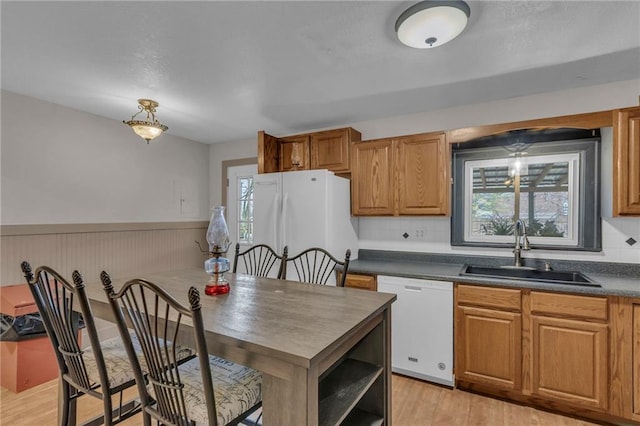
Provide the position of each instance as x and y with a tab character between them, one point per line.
367	282
489	297
586	307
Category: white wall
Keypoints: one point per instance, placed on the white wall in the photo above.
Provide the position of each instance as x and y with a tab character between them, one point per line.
385	233
564	102
61	165
218	153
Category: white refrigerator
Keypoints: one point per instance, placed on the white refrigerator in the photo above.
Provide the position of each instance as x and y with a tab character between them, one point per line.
304	209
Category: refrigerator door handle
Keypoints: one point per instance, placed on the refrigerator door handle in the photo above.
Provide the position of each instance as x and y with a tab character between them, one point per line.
283	226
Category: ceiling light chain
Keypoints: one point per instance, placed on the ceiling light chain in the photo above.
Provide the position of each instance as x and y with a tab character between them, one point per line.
150	128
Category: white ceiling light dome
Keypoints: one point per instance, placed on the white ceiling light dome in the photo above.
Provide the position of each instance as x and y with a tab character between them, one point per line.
431	24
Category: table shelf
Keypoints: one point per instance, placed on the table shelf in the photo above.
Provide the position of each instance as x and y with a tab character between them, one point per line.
341	390
363	418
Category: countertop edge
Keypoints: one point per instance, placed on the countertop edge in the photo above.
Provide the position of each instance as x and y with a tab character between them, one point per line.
611	285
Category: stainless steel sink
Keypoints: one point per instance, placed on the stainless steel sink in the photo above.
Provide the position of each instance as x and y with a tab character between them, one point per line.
527	274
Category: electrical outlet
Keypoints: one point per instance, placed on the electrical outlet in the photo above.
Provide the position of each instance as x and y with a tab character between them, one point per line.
419	233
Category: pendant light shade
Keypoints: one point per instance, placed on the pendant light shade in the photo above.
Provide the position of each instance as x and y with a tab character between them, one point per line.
150	128
431	24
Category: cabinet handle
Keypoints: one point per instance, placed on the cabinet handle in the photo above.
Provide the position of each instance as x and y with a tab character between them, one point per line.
412	288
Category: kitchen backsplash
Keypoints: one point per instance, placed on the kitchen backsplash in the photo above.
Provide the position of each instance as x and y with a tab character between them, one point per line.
431	235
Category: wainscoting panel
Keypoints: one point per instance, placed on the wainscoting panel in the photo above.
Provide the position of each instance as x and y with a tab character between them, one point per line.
120	249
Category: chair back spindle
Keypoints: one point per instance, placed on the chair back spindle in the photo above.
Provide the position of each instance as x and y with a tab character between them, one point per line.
259	260
316	266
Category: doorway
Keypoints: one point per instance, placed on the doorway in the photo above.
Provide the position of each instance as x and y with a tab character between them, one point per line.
240	206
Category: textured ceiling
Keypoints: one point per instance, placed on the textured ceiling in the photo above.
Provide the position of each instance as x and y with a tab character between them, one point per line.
223	70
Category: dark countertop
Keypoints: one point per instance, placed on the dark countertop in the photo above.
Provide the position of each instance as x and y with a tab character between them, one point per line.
617	279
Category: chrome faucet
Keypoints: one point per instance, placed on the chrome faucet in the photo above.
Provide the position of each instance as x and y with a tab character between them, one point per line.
522	242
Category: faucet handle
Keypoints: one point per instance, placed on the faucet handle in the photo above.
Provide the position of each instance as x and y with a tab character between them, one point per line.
525	245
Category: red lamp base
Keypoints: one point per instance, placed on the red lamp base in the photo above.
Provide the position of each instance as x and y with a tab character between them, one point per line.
215	289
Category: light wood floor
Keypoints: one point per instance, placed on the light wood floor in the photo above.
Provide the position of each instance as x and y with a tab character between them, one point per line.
414	403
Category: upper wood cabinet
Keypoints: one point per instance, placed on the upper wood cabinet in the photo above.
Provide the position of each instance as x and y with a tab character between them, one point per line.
626	162
331	149
372	178
423	174
268	153
406	175
294	153
328	149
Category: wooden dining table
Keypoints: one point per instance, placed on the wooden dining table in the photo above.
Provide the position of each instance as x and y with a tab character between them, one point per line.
324	351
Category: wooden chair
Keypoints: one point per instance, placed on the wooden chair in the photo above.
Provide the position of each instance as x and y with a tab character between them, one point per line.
316	265
259	260
102	370
206	390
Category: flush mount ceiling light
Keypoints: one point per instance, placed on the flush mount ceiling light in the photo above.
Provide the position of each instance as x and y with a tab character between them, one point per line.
432	23
150	128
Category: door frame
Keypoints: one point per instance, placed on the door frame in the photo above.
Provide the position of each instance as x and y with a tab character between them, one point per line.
226	165
225	169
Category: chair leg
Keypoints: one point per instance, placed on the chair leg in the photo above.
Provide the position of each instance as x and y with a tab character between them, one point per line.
146	419
108	411
73	404
64	402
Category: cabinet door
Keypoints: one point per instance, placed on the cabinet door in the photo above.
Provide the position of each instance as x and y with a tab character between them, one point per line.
330	150
626	162
423	177
268	157
489	347
570	361
372	178
636	360
294	153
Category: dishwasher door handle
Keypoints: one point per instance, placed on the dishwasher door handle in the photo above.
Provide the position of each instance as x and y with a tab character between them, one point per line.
412	288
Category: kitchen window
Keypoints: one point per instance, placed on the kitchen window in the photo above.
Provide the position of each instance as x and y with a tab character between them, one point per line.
553	186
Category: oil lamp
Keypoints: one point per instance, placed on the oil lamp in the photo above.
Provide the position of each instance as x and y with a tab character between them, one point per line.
216	266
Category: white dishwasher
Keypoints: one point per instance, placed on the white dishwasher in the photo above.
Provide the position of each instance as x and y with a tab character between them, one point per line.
421	328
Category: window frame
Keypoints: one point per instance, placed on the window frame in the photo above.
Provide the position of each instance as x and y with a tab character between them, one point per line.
240	200
587	177
571	158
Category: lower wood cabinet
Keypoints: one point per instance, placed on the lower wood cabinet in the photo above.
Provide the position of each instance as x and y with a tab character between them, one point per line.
567	352
489	337
491	351
367	282
570	354
570	361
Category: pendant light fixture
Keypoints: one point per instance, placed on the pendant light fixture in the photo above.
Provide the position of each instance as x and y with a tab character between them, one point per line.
150	128
431	24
